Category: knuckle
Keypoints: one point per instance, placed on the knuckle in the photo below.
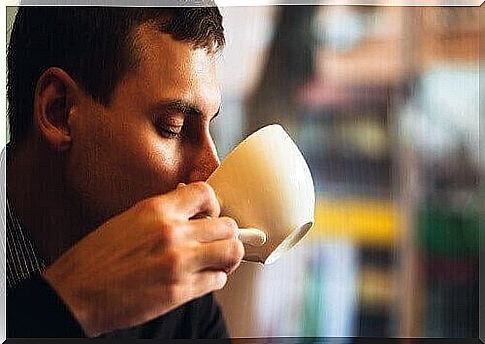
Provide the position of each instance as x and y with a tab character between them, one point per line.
230	223
208	195
235	252
204	189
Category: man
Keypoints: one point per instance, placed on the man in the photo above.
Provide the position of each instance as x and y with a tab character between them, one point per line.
111	229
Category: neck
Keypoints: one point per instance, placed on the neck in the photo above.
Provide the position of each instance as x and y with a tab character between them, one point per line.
37	192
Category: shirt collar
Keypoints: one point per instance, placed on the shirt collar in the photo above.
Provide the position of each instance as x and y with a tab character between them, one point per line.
23	259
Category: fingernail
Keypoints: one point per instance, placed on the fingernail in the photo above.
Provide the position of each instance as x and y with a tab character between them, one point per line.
179	185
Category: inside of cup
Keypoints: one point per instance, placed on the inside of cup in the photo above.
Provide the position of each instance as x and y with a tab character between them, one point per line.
289	242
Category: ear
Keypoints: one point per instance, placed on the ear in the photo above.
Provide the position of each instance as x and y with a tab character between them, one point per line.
54	100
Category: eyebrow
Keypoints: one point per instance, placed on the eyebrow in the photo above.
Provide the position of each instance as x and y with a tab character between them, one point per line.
184	107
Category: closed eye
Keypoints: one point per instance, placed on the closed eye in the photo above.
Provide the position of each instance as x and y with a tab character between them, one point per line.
169	131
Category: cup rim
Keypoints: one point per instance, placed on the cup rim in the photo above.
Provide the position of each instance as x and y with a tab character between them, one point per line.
244	142
293	239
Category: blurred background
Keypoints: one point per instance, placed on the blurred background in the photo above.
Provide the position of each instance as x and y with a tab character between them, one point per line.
383	102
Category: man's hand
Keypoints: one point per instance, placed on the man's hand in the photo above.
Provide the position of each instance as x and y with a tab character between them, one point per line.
148	260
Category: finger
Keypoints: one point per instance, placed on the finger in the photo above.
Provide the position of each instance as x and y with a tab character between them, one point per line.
212	229
223	255
207	281
195	198
179	185
251	236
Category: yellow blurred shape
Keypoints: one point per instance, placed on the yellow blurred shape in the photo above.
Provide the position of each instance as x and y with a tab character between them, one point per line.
376	286
365	222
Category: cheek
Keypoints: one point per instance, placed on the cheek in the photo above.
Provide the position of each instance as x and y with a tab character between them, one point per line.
155	163
114	164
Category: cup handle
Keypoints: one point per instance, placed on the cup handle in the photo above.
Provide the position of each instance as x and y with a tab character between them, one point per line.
251	236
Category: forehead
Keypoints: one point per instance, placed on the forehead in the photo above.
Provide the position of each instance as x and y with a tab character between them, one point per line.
169	69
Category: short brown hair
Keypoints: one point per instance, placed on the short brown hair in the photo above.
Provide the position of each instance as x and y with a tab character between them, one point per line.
93	45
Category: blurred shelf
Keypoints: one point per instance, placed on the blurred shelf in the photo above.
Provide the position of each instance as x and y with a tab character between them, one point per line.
374	61
376	287
364	222
448	232
357	98
450	21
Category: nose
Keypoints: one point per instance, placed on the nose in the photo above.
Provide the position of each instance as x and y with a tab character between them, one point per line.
205	160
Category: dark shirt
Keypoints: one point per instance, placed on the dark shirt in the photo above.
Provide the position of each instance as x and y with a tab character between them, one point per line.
35	310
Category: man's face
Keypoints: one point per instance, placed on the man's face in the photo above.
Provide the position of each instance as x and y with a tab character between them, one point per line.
153	135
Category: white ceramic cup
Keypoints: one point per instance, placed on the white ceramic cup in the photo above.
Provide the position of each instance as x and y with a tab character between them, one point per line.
265	183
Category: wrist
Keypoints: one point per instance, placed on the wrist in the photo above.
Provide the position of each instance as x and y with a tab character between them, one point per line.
72	296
